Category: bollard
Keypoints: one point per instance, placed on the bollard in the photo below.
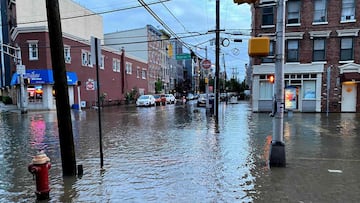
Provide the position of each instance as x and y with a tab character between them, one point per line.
40	169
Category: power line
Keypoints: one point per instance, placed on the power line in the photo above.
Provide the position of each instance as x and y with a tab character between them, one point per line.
162	22
94	13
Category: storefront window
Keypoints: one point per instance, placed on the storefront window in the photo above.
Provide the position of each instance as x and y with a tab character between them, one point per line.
266	90
35	93
309	90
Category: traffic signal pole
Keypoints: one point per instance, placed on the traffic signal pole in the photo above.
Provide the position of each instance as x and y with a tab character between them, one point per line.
277	151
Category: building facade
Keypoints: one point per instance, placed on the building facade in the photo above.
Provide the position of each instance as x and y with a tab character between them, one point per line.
119	73
322	55
144	43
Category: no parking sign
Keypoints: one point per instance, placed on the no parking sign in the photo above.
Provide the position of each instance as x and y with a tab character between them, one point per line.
90	85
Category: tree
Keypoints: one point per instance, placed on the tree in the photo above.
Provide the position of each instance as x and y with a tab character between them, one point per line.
158	86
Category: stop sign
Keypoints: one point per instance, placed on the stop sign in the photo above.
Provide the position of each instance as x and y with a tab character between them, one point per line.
206	64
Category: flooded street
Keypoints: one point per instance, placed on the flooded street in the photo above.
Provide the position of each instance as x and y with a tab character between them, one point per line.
172	154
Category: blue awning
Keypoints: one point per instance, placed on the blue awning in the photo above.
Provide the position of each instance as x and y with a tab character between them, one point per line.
43	76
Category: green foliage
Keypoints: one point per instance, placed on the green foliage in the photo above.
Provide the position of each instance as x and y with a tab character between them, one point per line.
158	86
7	100
131	96
234	86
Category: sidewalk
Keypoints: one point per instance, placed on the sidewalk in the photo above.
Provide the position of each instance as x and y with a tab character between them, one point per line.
7	107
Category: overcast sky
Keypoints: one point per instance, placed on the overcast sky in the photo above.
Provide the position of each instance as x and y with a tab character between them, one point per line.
188	19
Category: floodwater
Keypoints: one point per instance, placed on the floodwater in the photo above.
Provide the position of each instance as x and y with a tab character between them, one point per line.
173	154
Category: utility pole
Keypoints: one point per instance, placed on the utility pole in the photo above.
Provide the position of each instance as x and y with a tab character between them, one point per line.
61	89
277	152
217	61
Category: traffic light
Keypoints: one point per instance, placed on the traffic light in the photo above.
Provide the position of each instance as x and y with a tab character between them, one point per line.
259	46
245	1
169	49
271	79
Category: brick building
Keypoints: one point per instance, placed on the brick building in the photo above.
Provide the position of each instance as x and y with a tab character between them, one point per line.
119	72
322	55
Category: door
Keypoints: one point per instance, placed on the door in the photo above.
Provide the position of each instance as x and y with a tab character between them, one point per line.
348	100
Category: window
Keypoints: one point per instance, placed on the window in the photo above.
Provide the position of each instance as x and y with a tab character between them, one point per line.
293	12
292	51
90	64
309	89
33	50
266	90
128	68
84	58
102	62
116	65
268	16
319	50
138	72
143	74
67	54
348	10
320	11
271	56
346	50
35	93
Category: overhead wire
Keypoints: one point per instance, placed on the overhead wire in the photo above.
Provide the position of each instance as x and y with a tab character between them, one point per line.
157	18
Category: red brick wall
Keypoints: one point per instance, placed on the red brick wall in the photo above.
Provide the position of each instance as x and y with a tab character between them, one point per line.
110	81
306	44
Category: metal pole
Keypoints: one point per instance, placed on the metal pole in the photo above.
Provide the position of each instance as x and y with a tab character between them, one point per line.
277	152
2	73
217	61
98	104
328	89
79	99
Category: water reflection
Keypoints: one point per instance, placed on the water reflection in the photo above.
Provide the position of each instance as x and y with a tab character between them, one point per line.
172	154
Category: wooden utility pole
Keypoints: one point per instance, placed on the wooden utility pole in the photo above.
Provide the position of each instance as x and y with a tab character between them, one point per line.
61	89
217	61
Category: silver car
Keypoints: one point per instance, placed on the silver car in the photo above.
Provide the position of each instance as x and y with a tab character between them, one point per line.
146	100
170	99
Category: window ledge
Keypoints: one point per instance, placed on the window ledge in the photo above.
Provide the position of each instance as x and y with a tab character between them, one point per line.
318	62
267	26
348	21
349	61
320	23
293	25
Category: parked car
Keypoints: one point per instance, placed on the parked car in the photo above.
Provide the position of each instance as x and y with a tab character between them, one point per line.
146	100
189	96
170	99
160	99
201	101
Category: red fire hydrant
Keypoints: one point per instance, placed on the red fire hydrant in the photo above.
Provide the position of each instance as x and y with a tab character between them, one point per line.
40	169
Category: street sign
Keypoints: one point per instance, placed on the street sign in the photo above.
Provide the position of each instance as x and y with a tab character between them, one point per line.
206	64
90	85
183	56
20	69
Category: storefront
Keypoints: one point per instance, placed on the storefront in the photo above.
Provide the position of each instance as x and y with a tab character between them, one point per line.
302	87
39	91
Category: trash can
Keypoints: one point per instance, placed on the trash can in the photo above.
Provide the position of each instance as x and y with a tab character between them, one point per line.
75	106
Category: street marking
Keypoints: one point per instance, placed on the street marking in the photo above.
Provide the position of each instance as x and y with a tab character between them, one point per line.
334	171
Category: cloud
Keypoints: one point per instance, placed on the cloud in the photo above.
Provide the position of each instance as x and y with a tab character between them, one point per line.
193	16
